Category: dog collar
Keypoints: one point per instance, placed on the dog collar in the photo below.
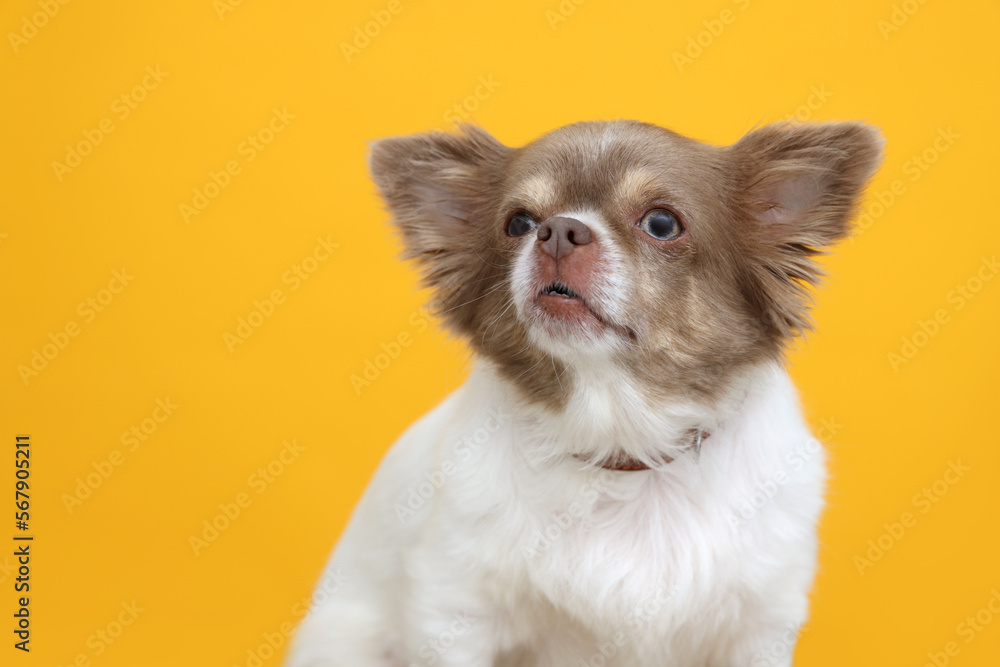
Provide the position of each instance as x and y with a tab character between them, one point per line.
628	463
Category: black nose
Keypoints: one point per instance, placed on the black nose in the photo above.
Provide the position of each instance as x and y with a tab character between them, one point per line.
560	236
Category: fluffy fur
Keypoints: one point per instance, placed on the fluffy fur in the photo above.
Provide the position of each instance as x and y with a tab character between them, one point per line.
490	534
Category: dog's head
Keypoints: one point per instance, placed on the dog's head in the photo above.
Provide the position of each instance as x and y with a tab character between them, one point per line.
625	242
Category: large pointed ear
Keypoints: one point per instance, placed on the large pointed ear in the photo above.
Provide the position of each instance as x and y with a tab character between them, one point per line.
798	188
439	188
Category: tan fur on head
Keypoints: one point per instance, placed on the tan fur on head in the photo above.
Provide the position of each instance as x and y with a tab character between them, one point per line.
686	315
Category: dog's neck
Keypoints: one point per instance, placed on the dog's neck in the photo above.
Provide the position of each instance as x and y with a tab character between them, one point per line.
608	419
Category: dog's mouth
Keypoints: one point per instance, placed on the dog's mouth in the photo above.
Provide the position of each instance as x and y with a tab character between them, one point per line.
560	289
565	311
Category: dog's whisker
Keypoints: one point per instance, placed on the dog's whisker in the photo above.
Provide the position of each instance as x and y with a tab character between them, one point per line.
552	359
481	296
510	302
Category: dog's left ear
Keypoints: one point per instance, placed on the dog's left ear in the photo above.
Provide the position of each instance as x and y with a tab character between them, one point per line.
798	188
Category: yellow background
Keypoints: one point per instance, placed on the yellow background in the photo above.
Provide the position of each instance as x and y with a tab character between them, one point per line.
896	429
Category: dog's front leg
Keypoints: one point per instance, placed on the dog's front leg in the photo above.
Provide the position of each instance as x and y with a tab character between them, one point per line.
452	637
450	622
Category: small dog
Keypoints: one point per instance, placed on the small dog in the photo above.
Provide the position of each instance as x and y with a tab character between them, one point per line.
580	501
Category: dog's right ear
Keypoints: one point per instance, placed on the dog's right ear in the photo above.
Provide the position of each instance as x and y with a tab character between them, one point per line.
438	187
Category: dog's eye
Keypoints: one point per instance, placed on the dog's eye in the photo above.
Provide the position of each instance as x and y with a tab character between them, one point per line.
661	224
520	224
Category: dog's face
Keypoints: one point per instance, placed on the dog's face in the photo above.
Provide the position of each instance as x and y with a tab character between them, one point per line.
624	242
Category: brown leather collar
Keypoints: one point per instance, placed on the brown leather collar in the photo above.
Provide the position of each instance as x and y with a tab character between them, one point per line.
627	463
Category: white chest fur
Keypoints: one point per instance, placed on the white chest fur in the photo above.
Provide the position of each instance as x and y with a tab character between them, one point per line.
481	513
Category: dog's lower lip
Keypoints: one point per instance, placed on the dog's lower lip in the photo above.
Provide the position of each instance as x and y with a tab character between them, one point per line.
558	302
576	308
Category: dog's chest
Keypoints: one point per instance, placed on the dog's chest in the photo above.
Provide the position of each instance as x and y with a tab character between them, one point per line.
613	550
640	555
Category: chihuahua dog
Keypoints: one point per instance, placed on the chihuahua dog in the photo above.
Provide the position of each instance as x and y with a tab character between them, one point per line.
581	500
